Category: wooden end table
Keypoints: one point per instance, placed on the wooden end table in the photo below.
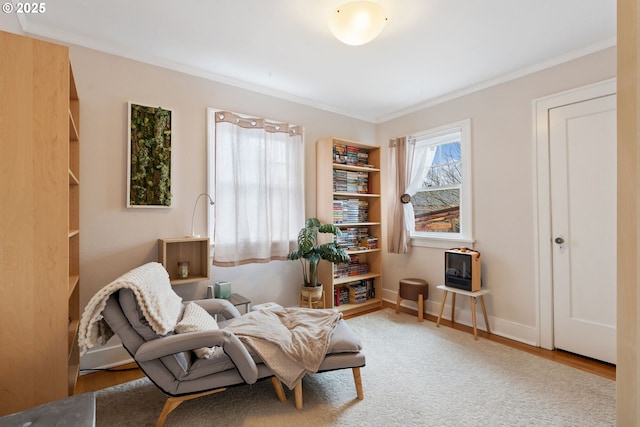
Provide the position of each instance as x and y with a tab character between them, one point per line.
238	300
473	295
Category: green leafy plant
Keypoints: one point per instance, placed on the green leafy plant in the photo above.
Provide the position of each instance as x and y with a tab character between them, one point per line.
150	180
310	253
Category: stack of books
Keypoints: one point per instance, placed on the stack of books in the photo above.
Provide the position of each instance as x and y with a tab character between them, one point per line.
340	154
358	293
352	238
352	268
350	182
347	155
349	211
355	292
341	295
369	242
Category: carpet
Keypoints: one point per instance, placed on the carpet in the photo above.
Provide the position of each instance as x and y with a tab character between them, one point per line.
416	375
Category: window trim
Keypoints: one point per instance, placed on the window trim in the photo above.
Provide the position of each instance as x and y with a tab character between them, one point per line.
438	240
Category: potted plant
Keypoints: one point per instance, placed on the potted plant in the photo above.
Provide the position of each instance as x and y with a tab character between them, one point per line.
309	252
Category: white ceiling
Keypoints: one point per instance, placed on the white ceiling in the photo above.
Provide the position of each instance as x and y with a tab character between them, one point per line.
430	49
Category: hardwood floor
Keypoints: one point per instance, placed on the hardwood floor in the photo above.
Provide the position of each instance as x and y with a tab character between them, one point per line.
106	378
586	364
98	380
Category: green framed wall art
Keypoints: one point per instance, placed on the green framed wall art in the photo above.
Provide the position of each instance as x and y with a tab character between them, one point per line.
149	157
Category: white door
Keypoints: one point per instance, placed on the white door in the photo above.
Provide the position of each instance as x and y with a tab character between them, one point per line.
582	149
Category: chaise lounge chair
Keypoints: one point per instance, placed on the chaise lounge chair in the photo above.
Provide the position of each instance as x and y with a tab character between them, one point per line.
170	361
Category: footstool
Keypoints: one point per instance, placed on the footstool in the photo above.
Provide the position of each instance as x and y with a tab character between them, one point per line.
414	290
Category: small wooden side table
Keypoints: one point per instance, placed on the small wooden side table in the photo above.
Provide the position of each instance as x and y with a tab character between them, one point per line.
473	295
238	300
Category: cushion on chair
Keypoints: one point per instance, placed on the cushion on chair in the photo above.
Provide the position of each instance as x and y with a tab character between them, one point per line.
196	319
343	340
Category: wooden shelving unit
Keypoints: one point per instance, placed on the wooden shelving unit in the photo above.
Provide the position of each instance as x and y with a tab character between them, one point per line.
74	234
39	223
328	166
194	250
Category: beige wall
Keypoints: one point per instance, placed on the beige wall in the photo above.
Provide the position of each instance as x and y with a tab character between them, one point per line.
503	189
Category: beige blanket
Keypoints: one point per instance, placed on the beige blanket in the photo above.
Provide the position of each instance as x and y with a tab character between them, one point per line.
292	342
158	302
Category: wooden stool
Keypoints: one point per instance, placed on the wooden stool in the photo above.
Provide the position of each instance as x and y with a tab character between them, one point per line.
414	290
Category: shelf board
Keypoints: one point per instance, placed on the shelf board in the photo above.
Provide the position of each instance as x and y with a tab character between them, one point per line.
189	280
72	333
186	239
362	251
74	135
73	233
354	168
73	180
355	224
73	282
345	194
344	280
368	304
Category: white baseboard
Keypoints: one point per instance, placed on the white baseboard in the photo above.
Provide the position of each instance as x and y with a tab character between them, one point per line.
105	357
504	328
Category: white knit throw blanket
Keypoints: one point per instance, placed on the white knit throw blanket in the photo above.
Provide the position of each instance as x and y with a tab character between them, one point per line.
292	342
158	302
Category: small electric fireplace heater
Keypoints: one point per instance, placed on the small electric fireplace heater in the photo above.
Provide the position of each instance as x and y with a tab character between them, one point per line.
462	269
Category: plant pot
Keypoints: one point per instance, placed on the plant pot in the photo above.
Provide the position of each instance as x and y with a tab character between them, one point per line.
311	292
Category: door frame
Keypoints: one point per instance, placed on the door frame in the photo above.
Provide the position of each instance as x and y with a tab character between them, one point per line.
543	274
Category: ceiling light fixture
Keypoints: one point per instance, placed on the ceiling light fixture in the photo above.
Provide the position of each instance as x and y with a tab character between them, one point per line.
357	22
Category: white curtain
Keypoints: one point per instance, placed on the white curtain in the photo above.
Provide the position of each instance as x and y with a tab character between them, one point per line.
259	189
409	164
419	166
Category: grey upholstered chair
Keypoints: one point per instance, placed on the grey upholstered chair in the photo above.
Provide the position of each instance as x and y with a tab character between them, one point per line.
171	365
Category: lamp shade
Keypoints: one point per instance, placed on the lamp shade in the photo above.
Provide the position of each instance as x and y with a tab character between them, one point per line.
357	22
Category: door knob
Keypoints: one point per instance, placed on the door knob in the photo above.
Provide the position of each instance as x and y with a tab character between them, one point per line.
559	240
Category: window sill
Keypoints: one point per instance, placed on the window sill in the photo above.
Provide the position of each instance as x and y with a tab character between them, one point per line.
441	242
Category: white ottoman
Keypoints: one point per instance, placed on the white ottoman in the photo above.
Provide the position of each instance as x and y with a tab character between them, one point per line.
266	306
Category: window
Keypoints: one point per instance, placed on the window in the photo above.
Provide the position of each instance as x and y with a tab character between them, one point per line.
256	171
442	200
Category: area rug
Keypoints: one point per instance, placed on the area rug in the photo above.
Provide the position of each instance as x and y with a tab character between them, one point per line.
416	375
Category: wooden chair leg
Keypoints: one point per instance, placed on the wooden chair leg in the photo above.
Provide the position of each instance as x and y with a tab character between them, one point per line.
358	380
277	386
297	392
420	308
173	402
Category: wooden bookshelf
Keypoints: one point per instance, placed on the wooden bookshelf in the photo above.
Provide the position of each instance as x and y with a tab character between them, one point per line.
361	188
39	223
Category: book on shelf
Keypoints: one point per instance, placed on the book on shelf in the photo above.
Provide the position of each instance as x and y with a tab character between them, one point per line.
341	295
356	238
348	155
360	291
352	268
347	211
350	182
